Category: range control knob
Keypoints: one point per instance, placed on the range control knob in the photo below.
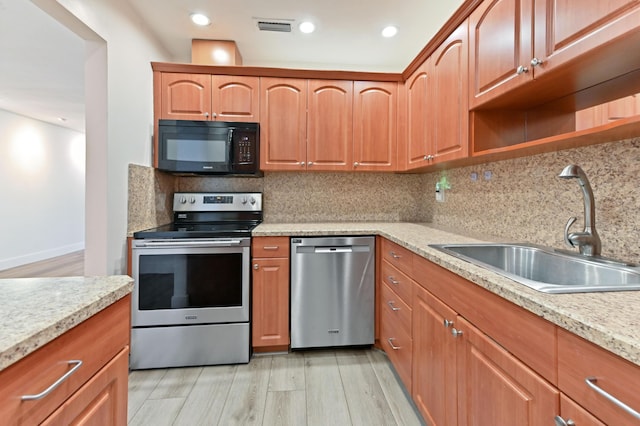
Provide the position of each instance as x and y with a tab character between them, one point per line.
192	200
183	200
243	200
252	200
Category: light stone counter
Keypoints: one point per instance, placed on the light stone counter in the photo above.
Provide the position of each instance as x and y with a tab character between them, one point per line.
610	320
37	310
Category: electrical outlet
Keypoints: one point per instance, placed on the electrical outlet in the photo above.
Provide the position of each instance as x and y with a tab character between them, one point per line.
488	175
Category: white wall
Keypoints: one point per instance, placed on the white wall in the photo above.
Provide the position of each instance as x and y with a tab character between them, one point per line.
42	184
119	110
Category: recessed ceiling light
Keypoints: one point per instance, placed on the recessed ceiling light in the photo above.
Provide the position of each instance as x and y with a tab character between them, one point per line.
389	31
307	27
200	19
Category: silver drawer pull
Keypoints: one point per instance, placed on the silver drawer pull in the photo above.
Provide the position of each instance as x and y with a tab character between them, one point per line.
393	308
393	281
394	347
55	384
394	255
270	247
591	382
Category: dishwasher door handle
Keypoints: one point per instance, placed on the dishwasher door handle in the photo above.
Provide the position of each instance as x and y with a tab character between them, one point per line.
343	249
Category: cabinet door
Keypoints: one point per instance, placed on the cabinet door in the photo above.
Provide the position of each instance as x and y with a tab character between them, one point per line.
101	401
570	410
419	137
330	125
270	319
500	40
495	388
434	359
566	29
374	125
283	124
235	98
185	96
449	100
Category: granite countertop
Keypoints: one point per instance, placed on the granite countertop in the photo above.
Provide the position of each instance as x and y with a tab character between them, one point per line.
37	310
609	319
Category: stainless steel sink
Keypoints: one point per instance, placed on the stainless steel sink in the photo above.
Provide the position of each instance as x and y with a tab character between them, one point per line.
548	270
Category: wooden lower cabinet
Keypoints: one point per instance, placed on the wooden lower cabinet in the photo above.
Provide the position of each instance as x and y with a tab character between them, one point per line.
95	393
495	388
99	401
570	411
270	306
395	332
434	359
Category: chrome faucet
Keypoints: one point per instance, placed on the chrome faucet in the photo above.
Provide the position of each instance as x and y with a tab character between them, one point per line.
587	241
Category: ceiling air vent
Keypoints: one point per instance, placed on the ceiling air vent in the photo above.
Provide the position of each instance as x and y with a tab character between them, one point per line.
283	27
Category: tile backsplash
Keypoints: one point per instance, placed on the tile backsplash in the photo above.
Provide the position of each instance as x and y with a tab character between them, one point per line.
523	201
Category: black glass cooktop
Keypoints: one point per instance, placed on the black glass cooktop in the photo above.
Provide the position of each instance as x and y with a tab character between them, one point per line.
198	230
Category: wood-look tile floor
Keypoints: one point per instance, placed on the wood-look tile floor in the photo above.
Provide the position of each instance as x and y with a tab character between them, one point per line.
327	387
67	265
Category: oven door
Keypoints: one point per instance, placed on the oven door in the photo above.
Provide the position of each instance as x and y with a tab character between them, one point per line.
197	281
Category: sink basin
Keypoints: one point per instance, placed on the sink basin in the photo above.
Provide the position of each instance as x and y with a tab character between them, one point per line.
548	270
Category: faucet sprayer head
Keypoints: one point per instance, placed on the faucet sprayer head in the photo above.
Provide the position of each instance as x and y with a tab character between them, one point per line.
571	171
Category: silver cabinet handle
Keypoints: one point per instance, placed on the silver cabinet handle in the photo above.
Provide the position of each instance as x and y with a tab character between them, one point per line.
562	422
591	382
448	323
356	164
394	255
392	281
393	308
455	332
206	114
394	347
535	62
522	70
302	163
270	247
214	115
310	163
55	384
256	266
426	157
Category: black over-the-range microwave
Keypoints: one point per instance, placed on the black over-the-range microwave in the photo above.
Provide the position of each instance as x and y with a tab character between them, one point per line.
209	147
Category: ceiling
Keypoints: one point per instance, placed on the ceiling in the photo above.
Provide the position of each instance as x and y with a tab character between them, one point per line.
41	72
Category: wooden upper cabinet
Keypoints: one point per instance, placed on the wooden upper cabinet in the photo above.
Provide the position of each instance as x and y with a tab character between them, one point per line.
283	120
330	125
375	125
185	96
500	41
207	97
566	29
417	139
449	97
235	98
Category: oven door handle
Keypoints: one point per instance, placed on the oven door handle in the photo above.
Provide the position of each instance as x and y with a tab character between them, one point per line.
191	243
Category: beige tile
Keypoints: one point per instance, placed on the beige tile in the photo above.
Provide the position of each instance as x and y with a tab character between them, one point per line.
177	383
366	401
248	393
157	412
204	404
326	402
286	408
287	372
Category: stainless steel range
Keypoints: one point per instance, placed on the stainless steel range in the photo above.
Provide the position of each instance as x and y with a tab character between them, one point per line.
192	281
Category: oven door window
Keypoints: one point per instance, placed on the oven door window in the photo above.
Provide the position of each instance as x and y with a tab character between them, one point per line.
179	281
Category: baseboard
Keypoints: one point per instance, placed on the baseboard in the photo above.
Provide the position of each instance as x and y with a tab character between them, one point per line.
12	262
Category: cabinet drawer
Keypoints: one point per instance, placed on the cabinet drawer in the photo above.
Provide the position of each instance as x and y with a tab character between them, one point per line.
397	281
398	346
397	256
94	342
578	360
270	246
393	308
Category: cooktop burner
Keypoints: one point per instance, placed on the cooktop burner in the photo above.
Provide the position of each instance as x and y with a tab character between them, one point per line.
210	215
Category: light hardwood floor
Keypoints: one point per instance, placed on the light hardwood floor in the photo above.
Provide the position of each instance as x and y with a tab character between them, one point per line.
331	387
68	265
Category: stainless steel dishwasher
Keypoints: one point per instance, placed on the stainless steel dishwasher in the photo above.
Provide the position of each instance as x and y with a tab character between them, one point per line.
332	291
